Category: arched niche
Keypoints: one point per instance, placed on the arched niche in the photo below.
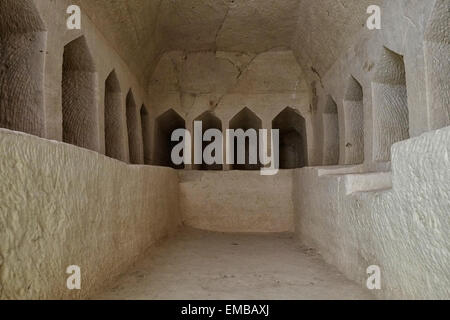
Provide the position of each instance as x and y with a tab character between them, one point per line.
293	139
79	88
330	124
390	104
115	125
209	121
246	120
354	122
22	57
134	130
145	125
437	62
166	124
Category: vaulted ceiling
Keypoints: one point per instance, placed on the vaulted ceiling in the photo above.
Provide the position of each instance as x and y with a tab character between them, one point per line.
140	30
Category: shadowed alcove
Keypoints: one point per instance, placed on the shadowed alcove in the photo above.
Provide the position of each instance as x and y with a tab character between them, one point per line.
209	121
145	134
115	129
330	124
79	91
166	124
134	130
246	120
390	104
22	55
293	140
354	122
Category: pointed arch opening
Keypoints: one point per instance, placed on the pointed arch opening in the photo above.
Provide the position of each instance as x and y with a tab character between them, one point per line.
79	88
22	57
293	140
250	123
330	124
354	122
437	61
209	121
134	130
145	125
115	125
390	104
166	124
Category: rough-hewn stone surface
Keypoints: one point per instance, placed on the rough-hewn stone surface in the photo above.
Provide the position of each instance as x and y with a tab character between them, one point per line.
212	201
325	29
328	38
437	48
223	56
22	55
134	131
105	59
79	96
403	230
204	265
61	206
141	29
228	82
146	139
390	101
354	123
116	137
330	136
406	28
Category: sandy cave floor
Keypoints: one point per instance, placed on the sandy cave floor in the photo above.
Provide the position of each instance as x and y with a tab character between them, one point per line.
202	265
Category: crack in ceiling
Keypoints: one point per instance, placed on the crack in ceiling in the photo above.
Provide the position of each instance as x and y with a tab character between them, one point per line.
142	30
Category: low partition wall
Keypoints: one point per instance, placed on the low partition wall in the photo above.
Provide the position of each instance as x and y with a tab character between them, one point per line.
403	230
62	206
237	201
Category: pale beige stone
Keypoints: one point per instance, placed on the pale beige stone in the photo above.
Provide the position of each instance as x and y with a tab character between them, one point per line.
62	206
366	110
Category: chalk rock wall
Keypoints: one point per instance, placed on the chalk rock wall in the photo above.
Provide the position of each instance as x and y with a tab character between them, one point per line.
61	205
237	201
403	230
225	83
